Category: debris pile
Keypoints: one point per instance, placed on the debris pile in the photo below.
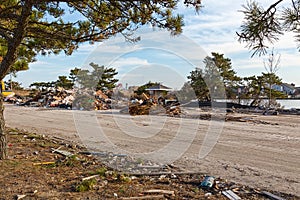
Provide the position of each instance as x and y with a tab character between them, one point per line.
14	99
102	101
172	107
61	98
144	104
58	97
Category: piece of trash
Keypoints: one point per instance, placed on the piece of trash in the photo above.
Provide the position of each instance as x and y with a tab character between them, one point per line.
90	177
271	196
44	163
115	195
208	194
173	176
20	196
231	195
162	177
208	182
62	152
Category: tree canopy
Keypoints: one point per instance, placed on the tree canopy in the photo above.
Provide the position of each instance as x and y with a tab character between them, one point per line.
262	26
217	73
97	78
30	27
261	86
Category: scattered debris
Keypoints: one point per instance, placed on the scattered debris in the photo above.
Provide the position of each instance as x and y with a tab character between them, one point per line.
80	181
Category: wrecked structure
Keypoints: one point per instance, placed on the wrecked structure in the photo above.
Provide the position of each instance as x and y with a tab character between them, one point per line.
157	98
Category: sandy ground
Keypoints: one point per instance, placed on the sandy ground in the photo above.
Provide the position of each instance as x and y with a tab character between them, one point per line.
263	152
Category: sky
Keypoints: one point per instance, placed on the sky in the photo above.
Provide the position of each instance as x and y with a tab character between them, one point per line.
159	57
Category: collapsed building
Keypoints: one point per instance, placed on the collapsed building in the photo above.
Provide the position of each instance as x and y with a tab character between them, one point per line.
158	98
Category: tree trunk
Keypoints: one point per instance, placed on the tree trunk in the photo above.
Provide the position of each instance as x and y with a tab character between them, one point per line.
8	60
3	141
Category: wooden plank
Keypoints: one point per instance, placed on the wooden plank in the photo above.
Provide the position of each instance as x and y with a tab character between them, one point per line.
144	197
167	192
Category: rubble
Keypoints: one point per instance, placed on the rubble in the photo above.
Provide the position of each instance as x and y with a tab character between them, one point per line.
144	105
60	98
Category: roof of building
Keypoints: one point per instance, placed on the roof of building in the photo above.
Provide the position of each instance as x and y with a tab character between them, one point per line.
159	87
288	85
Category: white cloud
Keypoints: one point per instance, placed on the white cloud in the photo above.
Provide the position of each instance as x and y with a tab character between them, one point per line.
129	62
212	30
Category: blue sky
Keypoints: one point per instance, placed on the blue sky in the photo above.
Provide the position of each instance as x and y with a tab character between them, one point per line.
162	58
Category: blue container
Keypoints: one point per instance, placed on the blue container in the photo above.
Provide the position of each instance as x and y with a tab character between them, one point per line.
208	182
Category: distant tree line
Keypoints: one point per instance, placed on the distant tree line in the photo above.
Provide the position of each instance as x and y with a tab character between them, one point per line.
99	78
218	72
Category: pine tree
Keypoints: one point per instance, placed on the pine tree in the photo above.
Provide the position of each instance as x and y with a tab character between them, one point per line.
262	27
107	81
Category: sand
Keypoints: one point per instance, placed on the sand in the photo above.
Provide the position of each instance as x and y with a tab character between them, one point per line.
261	152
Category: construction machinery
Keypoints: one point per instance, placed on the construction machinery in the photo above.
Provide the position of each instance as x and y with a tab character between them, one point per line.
4	91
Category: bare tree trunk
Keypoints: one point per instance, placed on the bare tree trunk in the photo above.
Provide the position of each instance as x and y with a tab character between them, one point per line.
3	140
